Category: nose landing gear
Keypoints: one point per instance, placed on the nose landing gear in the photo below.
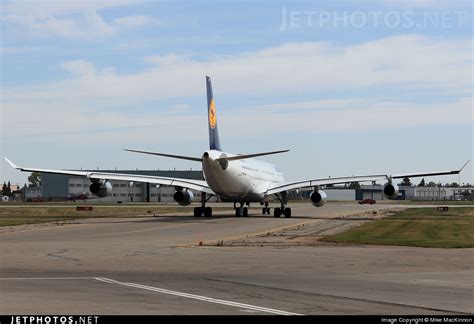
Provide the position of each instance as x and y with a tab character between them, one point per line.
207	211
266	209
241	211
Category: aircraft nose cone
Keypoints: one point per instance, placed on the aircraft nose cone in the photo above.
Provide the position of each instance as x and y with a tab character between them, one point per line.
205	155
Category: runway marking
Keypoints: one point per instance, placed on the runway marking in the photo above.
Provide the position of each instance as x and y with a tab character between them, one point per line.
243	236
50	278
139	231
198	297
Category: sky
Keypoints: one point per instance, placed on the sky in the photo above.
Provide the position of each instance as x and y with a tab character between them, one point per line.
350	87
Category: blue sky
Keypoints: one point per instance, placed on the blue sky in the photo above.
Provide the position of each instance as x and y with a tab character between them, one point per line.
350	87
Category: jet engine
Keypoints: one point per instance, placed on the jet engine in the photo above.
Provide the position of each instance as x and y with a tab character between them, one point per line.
318	198
390	190
183	197
101	189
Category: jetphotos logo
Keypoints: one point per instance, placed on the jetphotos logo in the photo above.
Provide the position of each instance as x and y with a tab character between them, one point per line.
212	115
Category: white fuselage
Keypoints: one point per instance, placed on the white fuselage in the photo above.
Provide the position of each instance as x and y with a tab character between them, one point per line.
240	180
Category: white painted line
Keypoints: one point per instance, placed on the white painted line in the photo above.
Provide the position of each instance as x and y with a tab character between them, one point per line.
197	297
50	278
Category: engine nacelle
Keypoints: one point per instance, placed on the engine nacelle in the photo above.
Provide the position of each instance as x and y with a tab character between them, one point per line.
101	189
390	190
183	197
318	198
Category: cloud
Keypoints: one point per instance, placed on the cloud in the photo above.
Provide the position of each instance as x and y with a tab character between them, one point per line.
50	8
90	103
80	68
414	63
81	122
135	21
428	3
65	19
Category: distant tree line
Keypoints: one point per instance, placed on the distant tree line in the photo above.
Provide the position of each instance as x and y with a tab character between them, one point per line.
6	189
406	182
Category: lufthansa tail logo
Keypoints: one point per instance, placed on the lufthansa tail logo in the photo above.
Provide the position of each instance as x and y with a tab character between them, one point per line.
212	114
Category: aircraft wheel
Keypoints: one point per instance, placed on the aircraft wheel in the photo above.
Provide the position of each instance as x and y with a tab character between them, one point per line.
276	212
208	211
246	212
197	211
237	212
287	212
268	210
264	211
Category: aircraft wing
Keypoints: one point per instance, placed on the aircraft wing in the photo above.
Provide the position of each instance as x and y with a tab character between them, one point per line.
198	185
321	182
328	181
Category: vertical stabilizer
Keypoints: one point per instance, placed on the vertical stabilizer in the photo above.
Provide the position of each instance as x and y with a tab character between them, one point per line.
214	143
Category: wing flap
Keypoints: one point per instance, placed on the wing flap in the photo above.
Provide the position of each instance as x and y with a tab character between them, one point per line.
198	185
322	182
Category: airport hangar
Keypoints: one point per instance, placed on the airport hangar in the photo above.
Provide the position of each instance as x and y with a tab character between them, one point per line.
57	187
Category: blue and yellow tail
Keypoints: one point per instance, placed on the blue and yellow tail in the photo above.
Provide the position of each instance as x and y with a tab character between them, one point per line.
214	143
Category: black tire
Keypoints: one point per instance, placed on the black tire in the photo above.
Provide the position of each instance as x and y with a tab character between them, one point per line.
237	212
287	212
277	212
197	211
208	211
246	212
264	211
268	210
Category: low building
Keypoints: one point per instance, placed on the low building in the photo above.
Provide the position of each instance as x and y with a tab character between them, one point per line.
31	193
61	187
439	193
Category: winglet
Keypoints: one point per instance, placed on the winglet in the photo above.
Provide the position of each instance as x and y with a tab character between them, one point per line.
13	165
464	165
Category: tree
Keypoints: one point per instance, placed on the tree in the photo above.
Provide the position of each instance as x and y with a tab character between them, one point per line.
6	189
467	195
35	179
422	183
354	185
454	185
406	182
431	184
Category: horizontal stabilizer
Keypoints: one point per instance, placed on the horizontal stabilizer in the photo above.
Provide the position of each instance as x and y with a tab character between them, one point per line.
249	156
168	155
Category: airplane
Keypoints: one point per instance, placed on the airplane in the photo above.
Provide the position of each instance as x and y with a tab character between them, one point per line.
238	178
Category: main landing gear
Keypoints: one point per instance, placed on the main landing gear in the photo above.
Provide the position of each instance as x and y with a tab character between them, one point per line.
285	211
241	211
203	210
